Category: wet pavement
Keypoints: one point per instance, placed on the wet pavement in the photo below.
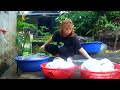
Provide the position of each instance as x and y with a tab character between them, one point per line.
12	73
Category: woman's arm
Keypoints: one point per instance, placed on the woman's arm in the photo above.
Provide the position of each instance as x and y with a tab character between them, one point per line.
84	53
47	42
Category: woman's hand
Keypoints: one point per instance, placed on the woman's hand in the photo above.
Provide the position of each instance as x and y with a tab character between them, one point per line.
83	52
42	47
47	42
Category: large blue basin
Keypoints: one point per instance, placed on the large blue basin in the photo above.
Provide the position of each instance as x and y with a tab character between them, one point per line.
92	47
32	63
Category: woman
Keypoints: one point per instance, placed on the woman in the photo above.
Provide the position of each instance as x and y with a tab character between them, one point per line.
67	42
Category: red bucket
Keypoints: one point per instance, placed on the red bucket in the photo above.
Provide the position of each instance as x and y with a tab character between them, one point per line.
65	73
86	74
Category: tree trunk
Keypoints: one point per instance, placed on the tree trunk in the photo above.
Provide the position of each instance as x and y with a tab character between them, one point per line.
116	38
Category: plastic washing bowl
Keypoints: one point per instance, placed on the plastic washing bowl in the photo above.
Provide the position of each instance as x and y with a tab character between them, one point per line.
92	47
30	64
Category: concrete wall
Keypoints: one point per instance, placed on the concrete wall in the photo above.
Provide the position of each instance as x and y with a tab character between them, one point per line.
8	47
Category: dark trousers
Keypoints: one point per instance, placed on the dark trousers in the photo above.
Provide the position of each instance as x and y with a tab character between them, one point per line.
63	51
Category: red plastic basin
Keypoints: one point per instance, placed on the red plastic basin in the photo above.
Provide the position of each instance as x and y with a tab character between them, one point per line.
65	73
86	74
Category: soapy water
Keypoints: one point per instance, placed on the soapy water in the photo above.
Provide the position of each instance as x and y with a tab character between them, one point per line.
37	56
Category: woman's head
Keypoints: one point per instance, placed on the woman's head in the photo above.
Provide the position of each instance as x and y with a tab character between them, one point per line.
67	28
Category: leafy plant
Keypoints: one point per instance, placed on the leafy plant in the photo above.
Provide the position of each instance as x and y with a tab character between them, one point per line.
115	28
21	24
107	26
83	20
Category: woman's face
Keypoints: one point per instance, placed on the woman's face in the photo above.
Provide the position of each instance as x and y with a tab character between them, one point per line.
67	30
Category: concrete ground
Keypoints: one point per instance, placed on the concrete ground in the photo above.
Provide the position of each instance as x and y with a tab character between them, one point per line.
11	73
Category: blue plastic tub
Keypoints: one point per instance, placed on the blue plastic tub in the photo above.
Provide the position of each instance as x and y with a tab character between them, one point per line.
31	63
92	47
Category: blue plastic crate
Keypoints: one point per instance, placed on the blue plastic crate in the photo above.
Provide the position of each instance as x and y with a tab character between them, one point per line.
92	47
